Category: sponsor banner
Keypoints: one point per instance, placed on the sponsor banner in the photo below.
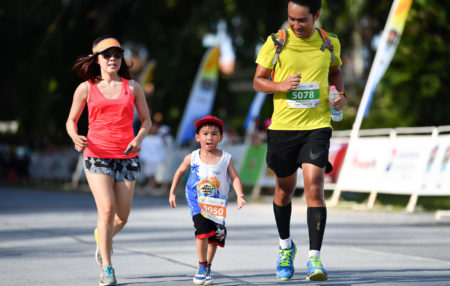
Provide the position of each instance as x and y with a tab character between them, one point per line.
398	165
437	169
403	172
366	159
335	157
401	165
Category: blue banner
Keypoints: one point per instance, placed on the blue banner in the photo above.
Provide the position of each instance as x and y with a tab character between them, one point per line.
254	111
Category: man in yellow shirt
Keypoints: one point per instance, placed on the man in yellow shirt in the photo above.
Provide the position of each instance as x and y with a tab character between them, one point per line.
300	132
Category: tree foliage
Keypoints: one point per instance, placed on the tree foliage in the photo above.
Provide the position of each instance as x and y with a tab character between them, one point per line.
43	38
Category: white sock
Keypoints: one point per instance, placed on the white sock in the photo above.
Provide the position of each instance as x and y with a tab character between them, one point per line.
315	253
285	243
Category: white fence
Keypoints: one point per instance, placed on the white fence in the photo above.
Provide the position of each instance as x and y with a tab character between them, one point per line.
411	161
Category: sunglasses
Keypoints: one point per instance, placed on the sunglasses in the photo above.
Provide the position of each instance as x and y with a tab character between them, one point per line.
108	54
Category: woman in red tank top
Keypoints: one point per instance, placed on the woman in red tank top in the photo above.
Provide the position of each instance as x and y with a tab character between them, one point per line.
110	149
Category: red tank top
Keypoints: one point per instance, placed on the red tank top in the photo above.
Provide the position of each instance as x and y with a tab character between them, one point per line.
110	123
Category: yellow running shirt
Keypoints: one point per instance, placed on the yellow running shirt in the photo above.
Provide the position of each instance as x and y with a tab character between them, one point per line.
306	108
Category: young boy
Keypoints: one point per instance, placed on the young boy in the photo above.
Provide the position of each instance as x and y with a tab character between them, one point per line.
212	171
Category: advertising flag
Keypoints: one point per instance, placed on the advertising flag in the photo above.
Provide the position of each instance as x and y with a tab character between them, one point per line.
254	111
386	48
385	52
202	95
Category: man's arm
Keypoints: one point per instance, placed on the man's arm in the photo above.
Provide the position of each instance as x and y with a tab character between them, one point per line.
335	78
261	81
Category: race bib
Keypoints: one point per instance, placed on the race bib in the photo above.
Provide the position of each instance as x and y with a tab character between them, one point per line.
306	95
213	208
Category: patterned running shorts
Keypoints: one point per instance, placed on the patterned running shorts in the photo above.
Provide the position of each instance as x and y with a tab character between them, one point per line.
119	169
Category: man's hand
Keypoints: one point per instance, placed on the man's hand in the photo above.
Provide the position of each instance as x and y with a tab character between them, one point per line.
339	103
290	82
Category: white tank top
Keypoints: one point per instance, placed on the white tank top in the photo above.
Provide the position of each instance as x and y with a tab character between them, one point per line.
208	186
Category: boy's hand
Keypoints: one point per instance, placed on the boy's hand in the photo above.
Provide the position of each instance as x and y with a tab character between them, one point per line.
240	202
172	201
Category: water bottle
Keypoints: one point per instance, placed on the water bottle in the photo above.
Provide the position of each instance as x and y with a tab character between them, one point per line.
332	95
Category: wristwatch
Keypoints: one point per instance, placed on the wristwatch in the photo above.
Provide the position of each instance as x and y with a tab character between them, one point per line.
343	93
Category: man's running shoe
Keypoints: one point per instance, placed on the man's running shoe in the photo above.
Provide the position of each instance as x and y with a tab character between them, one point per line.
98	256
200	276
208	278
285	263
107	277
315	270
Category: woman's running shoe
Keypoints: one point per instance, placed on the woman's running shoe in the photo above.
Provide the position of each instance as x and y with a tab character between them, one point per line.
98	256
107	277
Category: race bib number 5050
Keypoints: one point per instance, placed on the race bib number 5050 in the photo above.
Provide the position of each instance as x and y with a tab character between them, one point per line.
306	95
213	208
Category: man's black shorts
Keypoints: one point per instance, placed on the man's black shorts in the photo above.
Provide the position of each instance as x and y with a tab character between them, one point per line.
206	228
287	150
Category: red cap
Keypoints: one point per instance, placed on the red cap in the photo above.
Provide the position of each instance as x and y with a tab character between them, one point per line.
209	119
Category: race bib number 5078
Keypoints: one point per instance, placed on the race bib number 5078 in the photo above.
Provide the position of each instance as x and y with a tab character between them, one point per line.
306	95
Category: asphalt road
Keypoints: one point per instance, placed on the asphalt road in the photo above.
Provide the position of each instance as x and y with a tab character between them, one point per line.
46	238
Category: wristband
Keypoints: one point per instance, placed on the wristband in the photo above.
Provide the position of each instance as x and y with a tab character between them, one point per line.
343	93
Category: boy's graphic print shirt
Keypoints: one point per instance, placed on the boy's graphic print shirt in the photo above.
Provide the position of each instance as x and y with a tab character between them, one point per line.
208	186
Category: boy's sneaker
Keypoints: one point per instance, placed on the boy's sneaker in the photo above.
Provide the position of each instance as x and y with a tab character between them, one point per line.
285	263
107	277
200	276
208	278
315	270
98	256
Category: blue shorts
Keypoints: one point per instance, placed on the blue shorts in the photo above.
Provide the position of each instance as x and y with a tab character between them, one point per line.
120	169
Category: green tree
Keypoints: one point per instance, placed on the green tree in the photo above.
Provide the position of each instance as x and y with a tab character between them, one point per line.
43	38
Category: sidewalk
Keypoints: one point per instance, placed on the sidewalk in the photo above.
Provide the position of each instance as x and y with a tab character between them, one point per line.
46	239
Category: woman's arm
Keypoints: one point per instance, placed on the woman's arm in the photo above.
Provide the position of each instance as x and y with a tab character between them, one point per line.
79	101
144	116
